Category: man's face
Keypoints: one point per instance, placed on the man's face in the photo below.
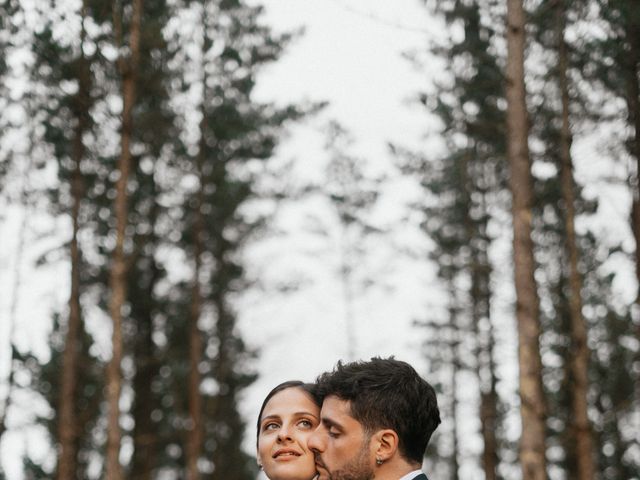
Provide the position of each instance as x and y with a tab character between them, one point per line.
340	444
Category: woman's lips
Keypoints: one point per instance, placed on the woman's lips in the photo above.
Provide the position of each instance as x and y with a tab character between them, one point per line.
286	453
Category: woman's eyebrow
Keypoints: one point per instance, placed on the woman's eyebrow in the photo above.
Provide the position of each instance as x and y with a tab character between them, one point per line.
297	414
270	417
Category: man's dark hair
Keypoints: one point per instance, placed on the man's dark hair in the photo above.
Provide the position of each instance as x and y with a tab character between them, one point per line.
308	388
386	393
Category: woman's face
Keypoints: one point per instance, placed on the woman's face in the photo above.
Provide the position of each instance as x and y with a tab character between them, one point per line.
288	419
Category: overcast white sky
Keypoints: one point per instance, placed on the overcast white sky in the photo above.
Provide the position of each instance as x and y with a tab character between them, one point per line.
351	56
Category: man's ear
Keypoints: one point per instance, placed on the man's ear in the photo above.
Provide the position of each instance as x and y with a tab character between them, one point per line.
385	445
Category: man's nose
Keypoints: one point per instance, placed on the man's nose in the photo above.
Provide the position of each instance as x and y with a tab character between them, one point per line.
314	442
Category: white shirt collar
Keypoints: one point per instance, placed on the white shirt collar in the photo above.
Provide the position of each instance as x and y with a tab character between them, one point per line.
411	475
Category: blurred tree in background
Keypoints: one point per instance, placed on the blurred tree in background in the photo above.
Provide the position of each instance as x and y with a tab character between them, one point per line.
132	126
142	183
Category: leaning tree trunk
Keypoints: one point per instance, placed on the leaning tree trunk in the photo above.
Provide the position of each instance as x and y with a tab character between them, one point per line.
118	279
532	408
580	354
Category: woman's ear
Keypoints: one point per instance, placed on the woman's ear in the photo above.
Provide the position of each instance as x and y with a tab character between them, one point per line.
385	445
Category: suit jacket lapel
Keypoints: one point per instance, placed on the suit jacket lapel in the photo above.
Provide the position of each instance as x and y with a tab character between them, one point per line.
422	476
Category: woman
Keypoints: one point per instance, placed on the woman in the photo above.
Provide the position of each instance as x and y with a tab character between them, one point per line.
289	413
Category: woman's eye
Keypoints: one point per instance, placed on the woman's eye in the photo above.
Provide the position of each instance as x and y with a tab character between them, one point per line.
270	426
305	424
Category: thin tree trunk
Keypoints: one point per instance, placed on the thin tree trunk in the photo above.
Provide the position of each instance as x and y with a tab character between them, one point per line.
486	370
480	296
143	282
454	344
488	380
68	421
118	279
196	433
347	293
532	408
17	284
580	352
631	64
67	434
144	434
223	370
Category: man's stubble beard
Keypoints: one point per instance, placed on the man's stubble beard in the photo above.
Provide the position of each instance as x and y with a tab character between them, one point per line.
358	468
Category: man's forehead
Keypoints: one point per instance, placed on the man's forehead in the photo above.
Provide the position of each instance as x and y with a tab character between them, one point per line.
334	406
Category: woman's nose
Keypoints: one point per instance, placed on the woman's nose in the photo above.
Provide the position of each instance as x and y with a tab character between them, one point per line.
284	433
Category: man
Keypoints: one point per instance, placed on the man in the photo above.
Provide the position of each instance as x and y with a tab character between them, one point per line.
376	420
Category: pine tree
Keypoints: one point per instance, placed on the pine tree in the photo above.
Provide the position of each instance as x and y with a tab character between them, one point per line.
234	133
580	351
566	89
462	188
76	69
153	147
533	403
352	197
128	70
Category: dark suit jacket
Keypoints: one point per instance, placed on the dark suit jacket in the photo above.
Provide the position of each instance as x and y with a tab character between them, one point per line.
422	476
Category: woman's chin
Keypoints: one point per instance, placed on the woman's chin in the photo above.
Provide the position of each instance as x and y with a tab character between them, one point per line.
284	471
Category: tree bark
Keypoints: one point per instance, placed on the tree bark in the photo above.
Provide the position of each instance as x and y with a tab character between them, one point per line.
454	352
631	64
17	282
580	354
479	270
532	408
196	433
144	434
68	424
118	278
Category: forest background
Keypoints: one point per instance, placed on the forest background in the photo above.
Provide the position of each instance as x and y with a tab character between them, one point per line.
199	200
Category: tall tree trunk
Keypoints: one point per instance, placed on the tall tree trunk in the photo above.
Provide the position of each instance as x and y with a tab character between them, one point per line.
196	433
143	282
580	352
346	273
453	347
223	371
144	433
486	367
17	285
532	408
118	279
68	422
631	64
10	386
480	295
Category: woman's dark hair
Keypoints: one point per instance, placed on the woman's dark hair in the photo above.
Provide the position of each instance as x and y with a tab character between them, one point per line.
308	388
